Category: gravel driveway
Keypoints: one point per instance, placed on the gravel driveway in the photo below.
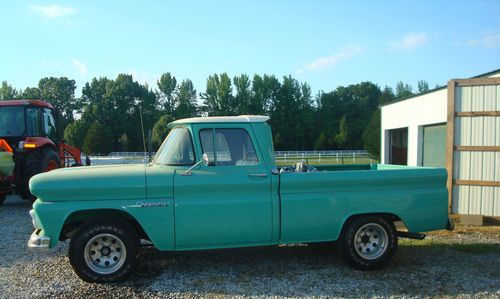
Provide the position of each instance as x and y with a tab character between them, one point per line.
463	264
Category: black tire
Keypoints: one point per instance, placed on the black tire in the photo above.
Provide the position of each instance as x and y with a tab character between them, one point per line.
2	199
369	242
88	239
36	163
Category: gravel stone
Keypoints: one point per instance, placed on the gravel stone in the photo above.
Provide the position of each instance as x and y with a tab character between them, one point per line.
440	266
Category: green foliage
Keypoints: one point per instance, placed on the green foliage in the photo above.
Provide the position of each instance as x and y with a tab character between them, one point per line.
60	92
403	90
218	98
76	131
423	86
187	105
98	140
387	95
344	118
371	135
341	138
321	143
167	86
123	143
161	130
117	105
7	92
32	93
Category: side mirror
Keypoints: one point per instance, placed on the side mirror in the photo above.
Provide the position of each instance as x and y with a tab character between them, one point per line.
205	160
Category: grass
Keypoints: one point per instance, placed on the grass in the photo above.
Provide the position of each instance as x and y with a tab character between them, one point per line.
474	248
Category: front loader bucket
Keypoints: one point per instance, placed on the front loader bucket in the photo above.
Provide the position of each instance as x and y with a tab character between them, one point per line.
6	164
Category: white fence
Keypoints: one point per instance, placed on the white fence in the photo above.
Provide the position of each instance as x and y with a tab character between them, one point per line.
282	157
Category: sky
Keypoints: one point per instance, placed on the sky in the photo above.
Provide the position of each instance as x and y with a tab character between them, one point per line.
324	43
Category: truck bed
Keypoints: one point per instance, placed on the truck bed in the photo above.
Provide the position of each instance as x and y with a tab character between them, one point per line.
320	201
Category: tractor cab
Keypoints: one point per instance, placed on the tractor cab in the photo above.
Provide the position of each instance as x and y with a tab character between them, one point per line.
22	121
29	145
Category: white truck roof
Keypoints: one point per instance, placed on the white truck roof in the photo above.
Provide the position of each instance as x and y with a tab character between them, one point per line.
222	119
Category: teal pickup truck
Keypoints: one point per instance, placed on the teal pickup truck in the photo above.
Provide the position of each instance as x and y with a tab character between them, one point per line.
214	183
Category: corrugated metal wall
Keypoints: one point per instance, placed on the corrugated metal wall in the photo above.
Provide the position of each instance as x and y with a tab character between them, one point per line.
476	155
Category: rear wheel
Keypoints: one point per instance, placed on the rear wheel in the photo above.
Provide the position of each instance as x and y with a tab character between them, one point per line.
369	242
104	252
39	161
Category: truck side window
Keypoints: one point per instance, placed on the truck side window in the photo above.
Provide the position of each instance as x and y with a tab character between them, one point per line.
228	147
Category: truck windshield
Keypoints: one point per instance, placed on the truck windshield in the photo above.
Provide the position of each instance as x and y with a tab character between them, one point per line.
11	121
177	149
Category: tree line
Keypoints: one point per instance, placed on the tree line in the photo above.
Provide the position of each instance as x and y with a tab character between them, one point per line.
107	115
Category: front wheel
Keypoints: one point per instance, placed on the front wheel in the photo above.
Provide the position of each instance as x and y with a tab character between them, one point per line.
369	242
104	252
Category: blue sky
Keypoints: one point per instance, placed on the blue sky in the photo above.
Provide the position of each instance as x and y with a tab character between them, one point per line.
324	43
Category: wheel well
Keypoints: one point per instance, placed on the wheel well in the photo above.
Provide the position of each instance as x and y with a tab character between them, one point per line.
76	219
387	216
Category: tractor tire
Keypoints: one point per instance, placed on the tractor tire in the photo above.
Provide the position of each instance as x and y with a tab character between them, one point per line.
39	161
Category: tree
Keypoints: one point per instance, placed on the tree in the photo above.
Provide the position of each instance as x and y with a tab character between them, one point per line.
60	92
292	115
243	94
187	105
321	143
168	92
341	137
403	90
7	92
387	95
265	90
123	143
76	131
371	135
161	130
98	140
423	86
118	105
218	97
32	93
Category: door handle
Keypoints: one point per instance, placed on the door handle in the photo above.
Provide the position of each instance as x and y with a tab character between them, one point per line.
257	175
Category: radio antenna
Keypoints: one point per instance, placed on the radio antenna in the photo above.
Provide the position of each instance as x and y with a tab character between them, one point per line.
143	137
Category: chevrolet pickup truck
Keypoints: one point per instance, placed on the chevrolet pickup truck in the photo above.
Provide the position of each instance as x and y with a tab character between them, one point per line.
214	183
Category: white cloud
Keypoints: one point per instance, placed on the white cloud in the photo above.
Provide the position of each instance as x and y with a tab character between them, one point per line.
488	41
53	11
410	41
81	67
331	60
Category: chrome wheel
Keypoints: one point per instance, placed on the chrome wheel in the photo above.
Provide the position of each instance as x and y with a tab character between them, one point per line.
370	241
105	253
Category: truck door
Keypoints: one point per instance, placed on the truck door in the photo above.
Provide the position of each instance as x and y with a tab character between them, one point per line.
228	202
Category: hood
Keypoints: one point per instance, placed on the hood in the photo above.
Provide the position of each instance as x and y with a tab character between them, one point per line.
90	183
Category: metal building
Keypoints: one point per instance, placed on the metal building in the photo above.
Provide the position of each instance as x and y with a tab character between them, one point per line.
456	127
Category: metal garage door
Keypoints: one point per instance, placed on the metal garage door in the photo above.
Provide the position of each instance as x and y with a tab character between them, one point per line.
434	146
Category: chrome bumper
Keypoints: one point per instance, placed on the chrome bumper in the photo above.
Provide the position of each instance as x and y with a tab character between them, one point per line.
37	242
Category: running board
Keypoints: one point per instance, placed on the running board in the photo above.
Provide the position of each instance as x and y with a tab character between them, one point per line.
409	235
